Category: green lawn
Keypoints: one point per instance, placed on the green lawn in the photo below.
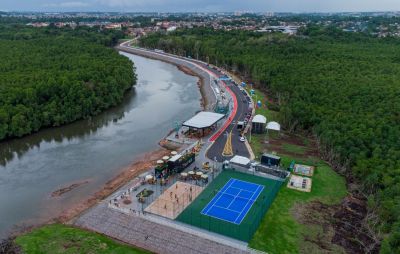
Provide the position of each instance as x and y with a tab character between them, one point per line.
58	238
294	148
245	230
279	231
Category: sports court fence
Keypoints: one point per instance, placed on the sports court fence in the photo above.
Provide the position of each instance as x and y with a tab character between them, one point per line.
172	202
246	229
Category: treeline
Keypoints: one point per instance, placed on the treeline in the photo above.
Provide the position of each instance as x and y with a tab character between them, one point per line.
344	88
106	37
50	77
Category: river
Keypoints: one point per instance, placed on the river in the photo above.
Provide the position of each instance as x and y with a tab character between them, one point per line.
97	149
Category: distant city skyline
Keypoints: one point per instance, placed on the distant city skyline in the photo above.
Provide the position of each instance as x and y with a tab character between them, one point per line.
201	5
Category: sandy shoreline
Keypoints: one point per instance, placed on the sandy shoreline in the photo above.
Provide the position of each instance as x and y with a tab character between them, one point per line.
144	163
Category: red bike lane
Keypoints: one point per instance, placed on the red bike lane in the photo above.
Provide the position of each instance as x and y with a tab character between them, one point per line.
233	112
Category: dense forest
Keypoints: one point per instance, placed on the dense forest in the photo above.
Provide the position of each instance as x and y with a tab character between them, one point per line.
343	88
50	77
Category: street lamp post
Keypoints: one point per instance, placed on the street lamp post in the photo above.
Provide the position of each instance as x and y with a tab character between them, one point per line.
251	126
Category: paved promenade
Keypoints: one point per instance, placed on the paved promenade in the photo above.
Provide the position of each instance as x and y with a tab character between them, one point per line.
152	232
144	233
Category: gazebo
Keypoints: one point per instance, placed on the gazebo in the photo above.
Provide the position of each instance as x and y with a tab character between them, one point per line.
202	122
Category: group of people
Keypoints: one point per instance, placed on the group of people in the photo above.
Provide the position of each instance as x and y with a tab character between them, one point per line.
172	195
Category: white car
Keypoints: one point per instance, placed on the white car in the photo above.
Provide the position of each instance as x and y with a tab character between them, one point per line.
242	139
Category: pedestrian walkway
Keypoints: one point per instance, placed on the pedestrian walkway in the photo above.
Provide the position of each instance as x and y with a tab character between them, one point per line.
146	234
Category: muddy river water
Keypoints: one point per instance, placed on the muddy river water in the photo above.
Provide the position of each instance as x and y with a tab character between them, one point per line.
92	150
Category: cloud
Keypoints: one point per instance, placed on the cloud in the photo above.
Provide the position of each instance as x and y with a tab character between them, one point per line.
166	5
134	3
75	4
201	5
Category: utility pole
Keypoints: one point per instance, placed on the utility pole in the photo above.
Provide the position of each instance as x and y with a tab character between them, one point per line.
251	126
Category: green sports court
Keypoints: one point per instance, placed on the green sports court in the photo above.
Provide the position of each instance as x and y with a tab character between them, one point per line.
233	204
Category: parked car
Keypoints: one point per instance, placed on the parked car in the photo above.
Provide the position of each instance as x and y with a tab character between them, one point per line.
242	139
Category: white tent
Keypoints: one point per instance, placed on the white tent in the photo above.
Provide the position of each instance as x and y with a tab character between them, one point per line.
240	160
273	126
259	119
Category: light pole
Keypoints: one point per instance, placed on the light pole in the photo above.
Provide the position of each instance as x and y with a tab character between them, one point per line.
251	127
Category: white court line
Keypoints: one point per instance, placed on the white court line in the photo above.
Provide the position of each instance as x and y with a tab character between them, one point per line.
249	183
262	188
252	197
233	180
244	207
238	196
241	189
227	209
233	199
219	218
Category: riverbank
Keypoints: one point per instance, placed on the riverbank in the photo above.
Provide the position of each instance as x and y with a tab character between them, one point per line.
207	94
203	102
96	150
139	166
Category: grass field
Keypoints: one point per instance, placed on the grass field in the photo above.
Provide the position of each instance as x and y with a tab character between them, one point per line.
244	232
294	148
281	231
58	238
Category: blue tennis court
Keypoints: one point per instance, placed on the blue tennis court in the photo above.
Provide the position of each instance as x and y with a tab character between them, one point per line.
233	201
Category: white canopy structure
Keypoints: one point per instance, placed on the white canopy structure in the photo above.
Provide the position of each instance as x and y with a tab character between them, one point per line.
175	157
240	160
203	120
258	124
273	126
259	119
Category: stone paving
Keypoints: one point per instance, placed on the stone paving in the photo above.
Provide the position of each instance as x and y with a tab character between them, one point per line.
146	234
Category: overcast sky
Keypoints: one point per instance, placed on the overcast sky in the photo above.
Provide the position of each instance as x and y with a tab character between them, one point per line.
201	5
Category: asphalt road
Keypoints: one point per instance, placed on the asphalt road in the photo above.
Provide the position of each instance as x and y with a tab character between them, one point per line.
216	149
238	147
